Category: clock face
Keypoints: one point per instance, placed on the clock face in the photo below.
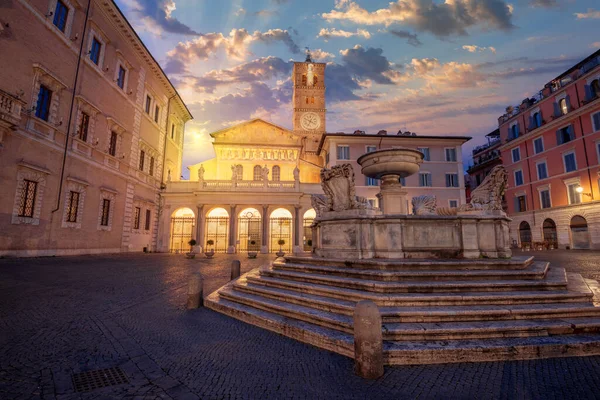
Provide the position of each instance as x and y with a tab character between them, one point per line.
310	121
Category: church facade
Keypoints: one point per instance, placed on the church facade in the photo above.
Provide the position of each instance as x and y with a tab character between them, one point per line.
255	195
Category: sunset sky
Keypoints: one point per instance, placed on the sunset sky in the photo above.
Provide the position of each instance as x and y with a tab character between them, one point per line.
433	67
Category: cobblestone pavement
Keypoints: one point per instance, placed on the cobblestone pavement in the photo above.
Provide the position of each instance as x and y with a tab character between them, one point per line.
60	316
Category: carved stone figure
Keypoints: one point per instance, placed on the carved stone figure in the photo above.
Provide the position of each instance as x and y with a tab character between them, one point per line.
488	195
319	203
234	174
310	75
424	205
338	185
296	174
265	173
201	173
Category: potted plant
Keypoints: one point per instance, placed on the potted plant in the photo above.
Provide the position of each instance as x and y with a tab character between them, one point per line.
252	253
191	254
309	242
210	253
280	253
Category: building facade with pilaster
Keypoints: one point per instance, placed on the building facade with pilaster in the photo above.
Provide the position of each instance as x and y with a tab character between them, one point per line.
90	128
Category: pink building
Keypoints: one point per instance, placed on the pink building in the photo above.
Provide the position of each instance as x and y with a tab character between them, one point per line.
551	149
441	173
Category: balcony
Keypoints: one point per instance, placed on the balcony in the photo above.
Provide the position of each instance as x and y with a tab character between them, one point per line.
484	161
486	146
233	186
10	109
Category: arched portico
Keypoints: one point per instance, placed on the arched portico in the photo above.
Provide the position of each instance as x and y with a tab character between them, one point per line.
183	222
580	235
281	228
525	233
217	229
307	221
249	230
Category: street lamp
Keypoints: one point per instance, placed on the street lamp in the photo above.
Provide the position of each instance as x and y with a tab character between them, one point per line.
579	190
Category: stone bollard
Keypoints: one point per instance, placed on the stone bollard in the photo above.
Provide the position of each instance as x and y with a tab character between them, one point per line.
235	269
195	295
368	340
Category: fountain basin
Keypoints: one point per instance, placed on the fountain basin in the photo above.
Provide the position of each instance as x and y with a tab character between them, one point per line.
401	162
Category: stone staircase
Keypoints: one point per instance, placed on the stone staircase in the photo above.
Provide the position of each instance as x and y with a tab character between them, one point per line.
433	311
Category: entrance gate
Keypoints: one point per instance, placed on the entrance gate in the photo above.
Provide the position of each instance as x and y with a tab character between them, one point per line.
217	230
307	233
579	233
525	233
181	233
281	228
249	229
549	231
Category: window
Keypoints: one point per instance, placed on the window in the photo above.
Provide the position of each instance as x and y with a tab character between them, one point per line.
514	131
542	171
538	145
121	77
276	173
451	180
147	223
239	172
545	198
136	217
425	151
565	135
60	15
112	146
520	203
516	154
148	104
372	182
42	109
315	79
257	173
142	156
173	131
424	179
563	106
105	212
593	90
27	203
518	178
596	121
343	152
451	154
95	51
304	80
156	113
371	149
535	120
310	100
84	125
574	196
453	203
570	162
73	206
151	169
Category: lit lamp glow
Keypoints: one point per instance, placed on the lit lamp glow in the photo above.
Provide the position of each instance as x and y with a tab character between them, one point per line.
579	189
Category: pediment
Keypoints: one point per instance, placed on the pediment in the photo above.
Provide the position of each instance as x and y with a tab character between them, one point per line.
256	133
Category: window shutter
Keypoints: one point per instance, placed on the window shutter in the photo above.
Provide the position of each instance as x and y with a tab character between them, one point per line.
517	204
597	121
588	92
557	112
568	100
530	123
571	132
518	130
558	138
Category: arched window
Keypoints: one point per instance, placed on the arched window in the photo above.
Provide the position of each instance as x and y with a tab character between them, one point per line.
312	100
307	100
304	81
276	173
515	131
315	79
257	173
537	119
239	172
563	106
595	87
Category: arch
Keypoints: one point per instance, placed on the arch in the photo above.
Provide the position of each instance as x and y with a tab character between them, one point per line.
183	222
304	80
549	233
515	130
537	119
276	174
257	173
580	235
281	224
239	172
249	230
525	233
563	106
308	219
217	229
315	79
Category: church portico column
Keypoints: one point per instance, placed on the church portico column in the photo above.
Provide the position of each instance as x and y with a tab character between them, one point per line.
264	248
232	223
297	225
200	227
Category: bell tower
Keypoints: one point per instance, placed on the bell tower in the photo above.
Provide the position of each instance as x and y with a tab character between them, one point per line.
309	101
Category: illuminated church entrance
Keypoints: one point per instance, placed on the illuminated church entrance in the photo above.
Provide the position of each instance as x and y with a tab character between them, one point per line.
281	229
217	230
182	228
249	230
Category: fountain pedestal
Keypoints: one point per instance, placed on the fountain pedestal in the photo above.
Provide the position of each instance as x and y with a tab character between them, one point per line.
392	197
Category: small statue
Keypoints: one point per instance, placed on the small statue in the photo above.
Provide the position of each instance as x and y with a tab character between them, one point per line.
201	173
488	195
296	174
234	173
265	173
310	76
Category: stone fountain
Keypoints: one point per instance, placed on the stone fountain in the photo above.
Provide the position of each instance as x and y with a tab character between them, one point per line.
444	280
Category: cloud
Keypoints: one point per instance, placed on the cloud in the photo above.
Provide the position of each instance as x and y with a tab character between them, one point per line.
413	40
445	19
543	3
595	45
158	13
321	55
370	63
327	33
475	49
235	46
591	13
260	13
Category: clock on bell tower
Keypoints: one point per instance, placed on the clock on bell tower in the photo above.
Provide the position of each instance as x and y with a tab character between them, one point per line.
309	101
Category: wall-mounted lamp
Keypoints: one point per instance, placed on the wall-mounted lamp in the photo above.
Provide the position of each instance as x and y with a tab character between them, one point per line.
74	38
579	190
51	13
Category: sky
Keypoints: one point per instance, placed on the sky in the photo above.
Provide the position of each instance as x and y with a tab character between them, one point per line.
427	66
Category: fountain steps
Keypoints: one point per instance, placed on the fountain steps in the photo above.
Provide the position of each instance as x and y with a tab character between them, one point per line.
536	270
514	263
555	279
426	319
